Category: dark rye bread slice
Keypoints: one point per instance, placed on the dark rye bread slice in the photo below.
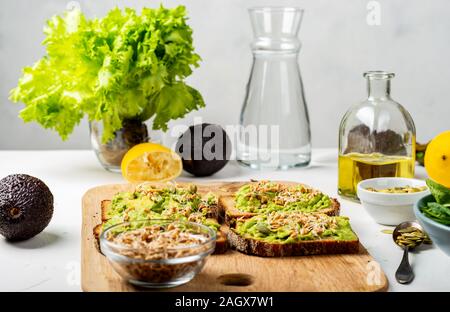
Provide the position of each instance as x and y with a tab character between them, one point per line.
229	212
260	248
221	240
104	206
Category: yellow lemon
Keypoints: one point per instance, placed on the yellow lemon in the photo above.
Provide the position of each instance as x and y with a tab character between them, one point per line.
151	162
437	159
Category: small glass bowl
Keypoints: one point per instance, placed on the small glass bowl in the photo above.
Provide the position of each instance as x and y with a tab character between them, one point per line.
158	267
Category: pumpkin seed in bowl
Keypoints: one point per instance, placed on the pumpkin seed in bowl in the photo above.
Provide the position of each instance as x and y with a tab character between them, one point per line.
399	189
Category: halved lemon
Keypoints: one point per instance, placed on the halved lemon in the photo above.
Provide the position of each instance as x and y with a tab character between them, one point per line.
151	162
437	159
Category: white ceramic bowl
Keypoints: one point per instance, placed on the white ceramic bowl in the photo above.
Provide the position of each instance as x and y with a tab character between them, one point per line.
390	208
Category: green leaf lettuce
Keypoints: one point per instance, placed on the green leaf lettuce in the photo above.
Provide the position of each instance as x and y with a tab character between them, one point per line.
122	66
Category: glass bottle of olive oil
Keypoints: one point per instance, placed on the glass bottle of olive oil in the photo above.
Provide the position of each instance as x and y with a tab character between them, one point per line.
355	167
376	138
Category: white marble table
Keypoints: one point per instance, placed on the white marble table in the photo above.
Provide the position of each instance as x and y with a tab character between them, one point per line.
51	260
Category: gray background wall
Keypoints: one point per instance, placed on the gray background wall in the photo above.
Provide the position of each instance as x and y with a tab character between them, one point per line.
338	46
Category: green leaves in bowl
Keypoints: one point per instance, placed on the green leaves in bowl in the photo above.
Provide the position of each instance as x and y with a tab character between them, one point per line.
438	211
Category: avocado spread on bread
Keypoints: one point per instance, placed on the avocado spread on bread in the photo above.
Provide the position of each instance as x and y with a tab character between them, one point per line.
265	197
169	202
293	227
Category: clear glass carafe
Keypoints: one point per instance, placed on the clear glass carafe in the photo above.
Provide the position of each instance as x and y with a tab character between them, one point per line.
376	137
274	122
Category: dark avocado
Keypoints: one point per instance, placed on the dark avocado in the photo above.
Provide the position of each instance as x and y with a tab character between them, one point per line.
26	206
204	149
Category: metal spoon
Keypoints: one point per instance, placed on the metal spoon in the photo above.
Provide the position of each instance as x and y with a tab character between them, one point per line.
405	274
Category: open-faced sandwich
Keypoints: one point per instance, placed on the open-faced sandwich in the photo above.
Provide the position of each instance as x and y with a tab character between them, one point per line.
149	201
267	219
265	197
280	233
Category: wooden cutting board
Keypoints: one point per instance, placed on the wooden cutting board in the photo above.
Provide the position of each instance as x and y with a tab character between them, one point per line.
356	272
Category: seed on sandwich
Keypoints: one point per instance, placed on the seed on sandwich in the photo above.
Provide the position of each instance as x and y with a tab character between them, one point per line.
262	228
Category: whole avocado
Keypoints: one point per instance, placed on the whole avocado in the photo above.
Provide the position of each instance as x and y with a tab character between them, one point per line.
204	148
26	207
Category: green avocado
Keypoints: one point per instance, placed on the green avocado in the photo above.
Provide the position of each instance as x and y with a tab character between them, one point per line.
26	206
248	202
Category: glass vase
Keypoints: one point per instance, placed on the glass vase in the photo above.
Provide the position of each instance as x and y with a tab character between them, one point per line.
110	154
376	137
274	123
